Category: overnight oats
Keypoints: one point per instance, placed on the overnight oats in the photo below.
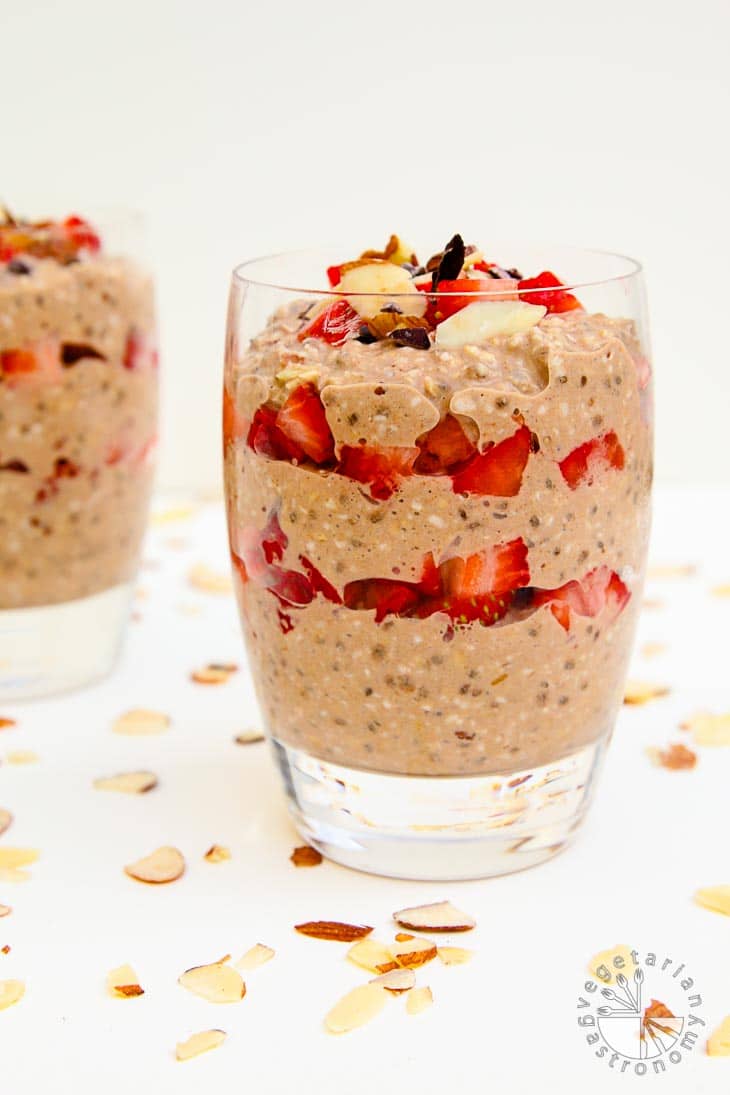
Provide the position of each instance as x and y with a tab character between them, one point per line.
78	421
438	482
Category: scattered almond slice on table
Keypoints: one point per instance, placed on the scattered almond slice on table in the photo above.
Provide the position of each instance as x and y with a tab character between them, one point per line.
676	757
664	571
217	982
400	980
22	756
602	966
123	982
441	916
171	514
639	692
715	898
255	957
6	820
129	783
208	580
721	591
708	729
718	1044
371	955
7	724
141	721
454	956
419	1000
356	1008
306	856
217	853
412	954
199	1043
214	673
14	874
248	737
333	929
5	910
165	864
12	858
10	993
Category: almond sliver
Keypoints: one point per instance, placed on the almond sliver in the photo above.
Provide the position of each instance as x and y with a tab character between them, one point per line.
140	722
10	993
370	954
639	692
199	1043
708	729
356	1008
400	980
441	916
603	967
718	1044
123	982
166	864
255	957
217	982
217	853
5	910
455	956
18	857
715	898
6	820
419	1000
333	929
306	856
22	756
213	674
414	953
129	783
248	737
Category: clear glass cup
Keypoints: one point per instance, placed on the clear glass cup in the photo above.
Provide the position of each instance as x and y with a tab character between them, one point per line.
438	554
78	430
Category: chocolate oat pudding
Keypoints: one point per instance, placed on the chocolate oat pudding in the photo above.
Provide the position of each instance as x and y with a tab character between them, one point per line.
78	412
438	489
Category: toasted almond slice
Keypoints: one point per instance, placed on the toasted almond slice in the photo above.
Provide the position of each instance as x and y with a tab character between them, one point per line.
638	692
675	757
306	856
248	737
721	590
165	864
10	993
6	820
214	673
441	916
141	721
5	949
216	982
129	783
356	1008
403	937
606	965
22	756
217	853
18	857
708	729
664	571
199	1043
414	953
7	724
419	1000
255	957
208	580
333	929
371	955
398	980
5	910
718	1044
716	898
455	956
123	982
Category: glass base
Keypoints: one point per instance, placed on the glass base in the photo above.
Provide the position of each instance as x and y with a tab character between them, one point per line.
54	648
438	828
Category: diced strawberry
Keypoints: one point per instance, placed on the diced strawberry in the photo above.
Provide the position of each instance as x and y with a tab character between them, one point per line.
273	540
39	362
266	439
381	468
335	324
334	275
498	569
498	470
552	298
81	234
441	307
443	447
303	421
386	596
319	583
260	550
588	460
600	589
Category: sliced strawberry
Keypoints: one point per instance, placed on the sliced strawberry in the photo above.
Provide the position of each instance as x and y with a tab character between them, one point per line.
260	550
319	583
499	469
266	439
334	275
81	234
273	540
381	468
588	460
335	324
498	569
39	362
387	597
441	307
600	589
303	421
443	447
553	298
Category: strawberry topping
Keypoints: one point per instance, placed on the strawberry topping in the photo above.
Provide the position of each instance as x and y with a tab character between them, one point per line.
588	460
303	422
443	447
499	469
335	324
380	468
555	297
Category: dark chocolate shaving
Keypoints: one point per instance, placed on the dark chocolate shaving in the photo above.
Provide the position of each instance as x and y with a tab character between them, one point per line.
515	273
451	262
498	272
71	352
18	267
392	308
15	465
365	335
417	337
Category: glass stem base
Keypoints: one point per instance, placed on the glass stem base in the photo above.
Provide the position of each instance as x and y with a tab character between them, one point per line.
54	648
438	828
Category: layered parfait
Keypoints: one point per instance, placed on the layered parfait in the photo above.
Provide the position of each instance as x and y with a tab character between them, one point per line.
78	412
438	487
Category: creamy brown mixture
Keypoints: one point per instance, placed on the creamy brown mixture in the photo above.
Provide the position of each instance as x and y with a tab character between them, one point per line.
78	412
429	694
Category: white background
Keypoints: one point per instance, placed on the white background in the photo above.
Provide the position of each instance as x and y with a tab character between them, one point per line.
242	128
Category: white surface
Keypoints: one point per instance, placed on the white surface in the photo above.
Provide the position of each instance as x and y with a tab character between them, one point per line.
242	128
506	1022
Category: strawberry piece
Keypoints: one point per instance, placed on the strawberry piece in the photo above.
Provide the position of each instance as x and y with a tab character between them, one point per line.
443	447
335	324
601	589
318	581
499	469
386	596
266	439
380	468
273	540
498	569
303	421
39	362
260	550
334	275
553	298
584	463
441	307
81	234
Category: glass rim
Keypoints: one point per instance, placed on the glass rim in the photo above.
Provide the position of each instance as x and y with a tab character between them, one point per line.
239	275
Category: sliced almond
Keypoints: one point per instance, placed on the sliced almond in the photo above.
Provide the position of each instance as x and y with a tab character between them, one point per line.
485	318
255	957
18	857
403	937
708	729
721	591
606	965
214	673
306	856
675	757
165	864
22	756
129	783
5	910
441	916
123	982
248	737
217	853
13	874
10	993
371	955
356	1008
415	953
716	898
7	724
6	820
455	956
140	722
217	982
398	980
419	1000
199	1043
207	580
718	1044
333	929
638	692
